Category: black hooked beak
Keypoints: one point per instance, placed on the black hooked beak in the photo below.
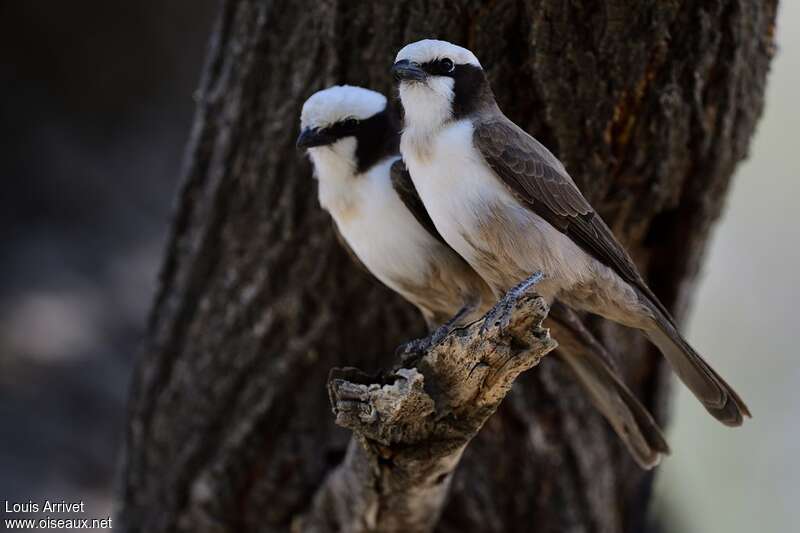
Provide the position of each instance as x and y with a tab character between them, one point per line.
311	137
405	70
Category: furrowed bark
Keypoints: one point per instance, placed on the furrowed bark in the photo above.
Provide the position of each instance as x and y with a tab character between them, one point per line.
650	105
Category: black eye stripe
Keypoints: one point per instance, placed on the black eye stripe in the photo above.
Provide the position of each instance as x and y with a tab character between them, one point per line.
376	137
442	66
343	128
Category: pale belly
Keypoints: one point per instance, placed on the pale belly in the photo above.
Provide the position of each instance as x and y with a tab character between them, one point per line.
505	241
389	244
398	251
477	215
418	267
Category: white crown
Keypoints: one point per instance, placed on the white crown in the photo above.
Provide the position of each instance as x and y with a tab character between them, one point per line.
338	103
430	49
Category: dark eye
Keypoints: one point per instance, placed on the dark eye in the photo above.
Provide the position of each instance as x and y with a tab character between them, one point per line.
447	65
351	123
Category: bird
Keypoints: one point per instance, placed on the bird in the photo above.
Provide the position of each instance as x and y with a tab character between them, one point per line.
352	137
509	207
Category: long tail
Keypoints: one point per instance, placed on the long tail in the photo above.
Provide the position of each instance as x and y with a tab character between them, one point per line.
586	357
714	393
629	418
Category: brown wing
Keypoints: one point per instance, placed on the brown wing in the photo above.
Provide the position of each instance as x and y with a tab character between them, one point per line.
404	187
540	182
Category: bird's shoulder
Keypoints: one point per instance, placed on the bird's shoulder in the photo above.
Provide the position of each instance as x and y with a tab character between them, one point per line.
528	168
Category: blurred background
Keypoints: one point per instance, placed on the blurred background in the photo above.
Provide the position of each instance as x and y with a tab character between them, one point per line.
96	105
744	318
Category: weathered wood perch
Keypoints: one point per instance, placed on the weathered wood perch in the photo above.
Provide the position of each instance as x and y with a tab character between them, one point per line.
411	426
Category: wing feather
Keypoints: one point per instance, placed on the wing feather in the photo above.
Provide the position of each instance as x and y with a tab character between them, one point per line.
539	180
542	184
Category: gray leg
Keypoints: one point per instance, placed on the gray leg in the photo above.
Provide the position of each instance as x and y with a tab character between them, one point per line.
417	347
500	314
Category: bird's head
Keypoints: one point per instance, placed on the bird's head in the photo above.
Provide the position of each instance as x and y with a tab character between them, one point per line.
351	125
439	81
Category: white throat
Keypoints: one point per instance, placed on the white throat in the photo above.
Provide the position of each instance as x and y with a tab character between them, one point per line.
335	161
428	108
335	167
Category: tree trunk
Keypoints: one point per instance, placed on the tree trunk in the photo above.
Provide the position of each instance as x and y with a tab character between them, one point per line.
649	104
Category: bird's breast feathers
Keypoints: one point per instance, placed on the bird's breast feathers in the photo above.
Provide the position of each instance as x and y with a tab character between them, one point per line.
376	224
480	217
454	182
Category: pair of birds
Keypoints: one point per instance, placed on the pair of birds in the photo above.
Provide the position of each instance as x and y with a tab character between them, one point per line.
473	209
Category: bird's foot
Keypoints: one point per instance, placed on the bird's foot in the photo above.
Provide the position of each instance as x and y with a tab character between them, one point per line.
412	350
500	314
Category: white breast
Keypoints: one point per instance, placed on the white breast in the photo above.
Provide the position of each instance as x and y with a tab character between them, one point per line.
451	178
376	224
465	198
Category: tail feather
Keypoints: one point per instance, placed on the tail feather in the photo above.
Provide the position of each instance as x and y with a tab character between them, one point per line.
590	363
627	416
714	393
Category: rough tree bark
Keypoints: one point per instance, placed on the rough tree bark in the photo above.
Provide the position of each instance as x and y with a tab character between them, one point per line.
650	105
